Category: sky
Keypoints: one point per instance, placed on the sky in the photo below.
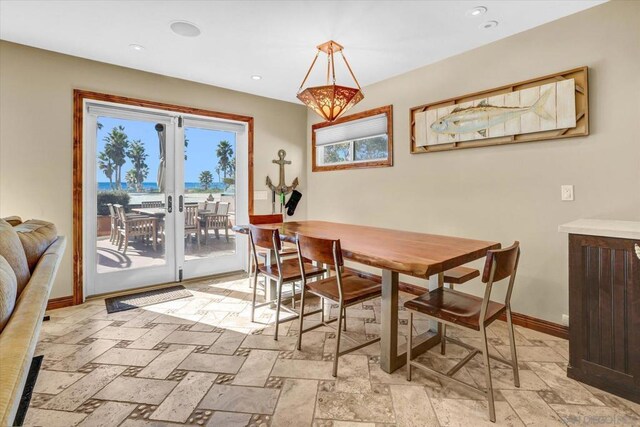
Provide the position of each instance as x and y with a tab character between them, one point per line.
201	153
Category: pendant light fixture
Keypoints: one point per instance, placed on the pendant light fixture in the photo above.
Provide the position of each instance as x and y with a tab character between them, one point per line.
331	100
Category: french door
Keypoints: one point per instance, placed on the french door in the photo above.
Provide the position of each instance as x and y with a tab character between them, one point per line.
162	191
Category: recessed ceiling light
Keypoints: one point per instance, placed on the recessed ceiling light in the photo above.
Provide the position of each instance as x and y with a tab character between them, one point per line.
477	11
184	28
136	47
256	77
488	24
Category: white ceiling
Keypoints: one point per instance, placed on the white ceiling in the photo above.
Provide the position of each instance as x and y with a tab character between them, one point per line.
275	39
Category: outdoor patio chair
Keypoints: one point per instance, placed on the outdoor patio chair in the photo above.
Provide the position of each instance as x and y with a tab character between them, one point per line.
132	226
113	235
191	222
215	220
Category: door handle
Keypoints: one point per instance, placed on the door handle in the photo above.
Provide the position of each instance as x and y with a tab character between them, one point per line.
169	204
180	203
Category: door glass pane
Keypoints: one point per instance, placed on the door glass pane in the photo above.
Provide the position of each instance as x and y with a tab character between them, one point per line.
130	173
210	197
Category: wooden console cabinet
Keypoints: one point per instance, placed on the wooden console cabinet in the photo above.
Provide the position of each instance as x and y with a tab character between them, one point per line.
604	308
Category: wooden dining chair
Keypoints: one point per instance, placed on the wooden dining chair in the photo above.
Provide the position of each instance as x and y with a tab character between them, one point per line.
135	226
191	222
215	220
113	216
448	306
262	254
343	289
283	271
456	276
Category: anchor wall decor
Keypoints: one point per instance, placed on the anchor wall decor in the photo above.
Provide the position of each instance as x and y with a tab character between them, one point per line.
282	189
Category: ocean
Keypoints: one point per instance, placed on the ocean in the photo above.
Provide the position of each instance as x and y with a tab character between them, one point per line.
153	186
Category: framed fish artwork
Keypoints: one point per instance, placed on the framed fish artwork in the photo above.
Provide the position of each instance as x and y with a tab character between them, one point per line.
550	107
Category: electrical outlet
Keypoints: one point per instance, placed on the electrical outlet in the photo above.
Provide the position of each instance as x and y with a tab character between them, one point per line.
565	319
566	193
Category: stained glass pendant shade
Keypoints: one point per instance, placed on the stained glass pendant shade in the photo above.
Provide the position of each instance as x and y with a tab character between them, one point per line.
331	100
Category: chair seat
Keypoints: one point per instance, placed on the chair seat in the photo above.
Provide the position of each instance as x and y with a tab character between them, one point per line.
354	288
290	270
459	275
455	307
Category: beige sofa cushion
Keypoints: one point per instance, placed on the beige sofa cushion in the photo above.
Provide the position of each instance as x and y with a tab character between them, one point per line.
13	220
36	236
8	291
11	250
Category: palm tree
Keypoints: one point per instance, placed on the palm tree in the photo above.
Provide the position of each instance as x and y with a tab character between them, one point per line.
218	172
116	147
136	153
224	153
206	179
105	164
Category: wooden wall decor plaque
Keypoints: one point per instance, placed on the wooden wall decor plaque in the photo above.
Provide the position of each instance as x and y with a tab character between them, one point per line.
550	107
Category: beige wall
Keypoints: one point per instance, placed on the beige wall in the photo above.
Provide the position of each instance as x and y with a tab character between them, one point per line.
36	130
509	192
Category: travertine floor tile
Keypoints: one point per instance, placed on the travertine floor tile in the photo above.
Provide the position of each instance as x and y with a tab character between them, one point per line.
42	417
306	369
126	356
355	407
115	333
253	400
191	338
53	382
531	409
183	399
574	415
166	362
84	356
138	390
108	414
532	354
257	368
83	331
229	419
83	389
153	337
412	406
228	343
460	413
569	390
266	342
212	363
54	351
290	411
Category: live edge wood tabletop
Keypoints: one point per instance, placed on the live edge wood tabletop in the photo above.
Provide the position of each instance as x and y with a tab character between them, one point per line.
395	252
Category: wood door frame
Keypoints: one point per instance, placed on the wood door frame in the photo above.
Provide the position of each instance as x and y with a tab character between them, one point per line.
79	96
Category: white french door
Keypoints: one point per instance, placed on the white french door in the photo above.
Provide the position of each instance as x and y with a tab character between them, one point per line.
161	193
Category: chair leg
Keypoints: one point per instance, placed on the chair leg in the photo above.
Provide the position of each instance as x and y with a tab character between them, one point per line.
226	233
323	308
443	339
512	343
253	299
278	302
409	344
489	384
335	360
344	315
299	343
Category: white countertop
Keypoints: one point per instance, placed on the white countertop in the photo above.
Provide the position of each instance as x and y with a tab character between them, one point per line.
603	227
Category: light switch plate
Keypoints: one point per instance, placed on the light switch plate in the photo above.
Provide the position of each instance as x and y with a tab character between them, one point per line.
260	195
566	193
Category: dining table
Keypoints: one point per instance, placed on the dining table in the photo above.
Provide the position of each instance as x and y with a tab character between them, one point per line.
394	252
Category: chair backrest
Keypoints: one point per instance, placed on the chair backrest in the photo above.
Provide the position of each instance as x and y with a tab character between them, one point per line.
265	219
112	211
223	208
326	251
265	238
190	215
500	264
120	212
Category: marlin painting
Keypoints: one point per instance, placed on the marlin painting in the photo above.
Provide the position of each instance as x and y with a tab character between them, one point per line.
484	115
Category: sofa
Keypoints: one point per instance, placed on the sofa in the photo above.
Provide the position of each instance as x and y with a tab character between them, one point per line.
30	253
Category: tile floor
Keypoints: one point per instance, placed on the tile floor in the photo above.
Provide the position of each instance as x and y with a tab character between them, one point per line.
200	361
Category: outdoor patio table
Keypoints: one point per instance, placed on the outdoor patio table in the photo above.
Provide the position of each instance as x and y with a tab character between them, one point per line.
154	212
425	256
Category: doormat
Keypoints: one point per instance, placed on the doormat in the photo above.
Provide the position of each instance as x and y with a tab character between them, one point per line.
141	299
